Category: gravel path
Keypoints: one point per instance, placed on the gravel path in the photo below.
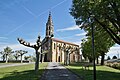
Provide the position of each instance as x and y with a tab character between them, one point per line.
55	71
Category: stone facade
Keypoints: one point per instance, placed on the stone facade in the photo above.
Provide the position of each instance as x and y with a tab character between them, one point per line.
55	50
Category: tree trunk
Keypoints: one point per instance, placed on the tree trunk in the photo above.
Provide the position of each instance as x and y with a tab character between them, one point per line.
97	61
3	57
43	57
102	58
21	59
64	58
37	61
90	60
69	58
6	58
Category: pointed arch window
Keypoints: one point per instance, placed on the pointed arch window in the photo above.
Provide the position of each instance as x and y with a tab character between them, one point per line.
54	45
49	33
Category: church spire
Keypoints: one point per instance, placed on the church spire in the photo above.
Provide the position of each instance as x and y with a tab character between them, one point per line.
50	18
49	26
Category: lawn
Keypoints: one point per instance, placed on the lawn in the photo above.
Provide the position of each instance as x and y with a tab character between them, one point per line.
103	72
23	72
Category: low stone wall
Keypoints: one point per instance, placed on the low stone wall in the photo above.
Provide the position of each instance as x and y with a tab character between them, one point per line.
113	63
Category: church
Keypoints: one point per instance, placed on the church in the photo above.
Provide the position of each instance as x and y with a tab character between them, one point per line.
55	50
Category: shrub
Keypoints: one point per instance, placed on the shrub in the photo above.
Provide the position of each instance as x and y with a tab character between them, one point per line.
115	65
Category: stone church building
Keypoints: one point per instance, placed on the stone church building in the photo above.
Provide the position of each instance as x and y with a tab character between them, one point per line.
55	50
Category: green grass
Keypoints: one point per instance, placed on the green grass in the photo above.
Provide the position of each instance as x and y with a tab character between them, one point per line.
23	72
103	72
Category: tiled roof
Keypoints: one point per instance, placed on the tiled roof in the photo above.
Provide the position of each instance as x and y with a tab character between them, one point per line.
57	40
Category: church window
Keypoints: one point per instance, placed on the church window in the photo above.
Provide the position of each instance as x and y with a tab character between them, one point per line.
54	45
49	32
59	47
49	27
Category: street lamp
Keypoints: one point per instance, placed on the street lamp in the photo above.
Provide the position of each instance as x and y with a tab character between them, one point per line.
79	22
93	47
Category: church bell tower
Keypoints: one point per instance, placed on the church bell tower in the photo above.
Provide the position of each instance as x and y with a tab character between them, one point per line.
49	27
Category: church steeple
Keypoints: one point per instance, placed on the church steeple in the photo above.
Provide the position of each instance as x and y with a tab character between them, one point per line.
49	26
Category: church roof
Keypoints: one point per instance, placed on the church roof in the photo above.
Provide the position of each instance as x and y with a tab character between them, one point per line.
58	40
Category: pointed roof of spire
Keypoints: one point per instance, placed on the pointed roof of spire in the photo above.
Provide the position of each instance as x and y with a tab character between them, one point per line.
50	18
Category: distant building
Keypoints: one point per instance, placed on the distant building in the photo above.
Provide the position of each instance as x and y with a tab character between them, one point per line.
55	50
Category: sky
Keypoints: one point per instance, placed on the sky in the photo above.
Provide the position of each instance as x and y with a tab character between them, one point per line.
27	19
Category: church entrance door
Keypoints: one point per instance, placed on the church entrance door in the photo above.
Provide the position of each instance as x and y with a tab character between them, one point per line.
59	59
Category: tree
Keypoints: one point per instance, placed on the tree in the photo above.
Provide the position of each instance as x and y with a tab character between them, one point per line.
87	50
114	57
7	52
21	53
16	55
103	42
26	57
68	50
102	45
108	58
36	46
3	55
105	13
103	18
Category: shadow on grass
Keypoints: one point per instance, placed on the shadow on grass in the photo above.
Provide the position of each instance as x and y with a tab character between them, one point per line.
24	75
100	74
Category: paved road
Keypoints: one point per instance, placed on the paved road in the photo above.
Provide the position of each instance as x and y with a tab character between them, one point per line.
55	71
12	64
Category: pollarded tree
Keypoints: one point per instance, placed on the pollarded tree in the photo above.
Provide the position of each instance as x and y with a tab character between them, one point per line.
27	57
21	53
103	12
16	55
7	52
36	46
68	50
3	55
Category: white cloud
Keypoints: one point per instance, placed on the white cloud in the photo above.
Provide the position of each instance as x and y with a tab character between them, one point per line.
81	34
115	50
69	28
3	37
78	42
15	47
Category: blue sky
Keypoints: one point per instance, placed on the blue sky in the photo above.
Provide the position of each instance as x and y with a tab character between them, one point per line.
27	19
